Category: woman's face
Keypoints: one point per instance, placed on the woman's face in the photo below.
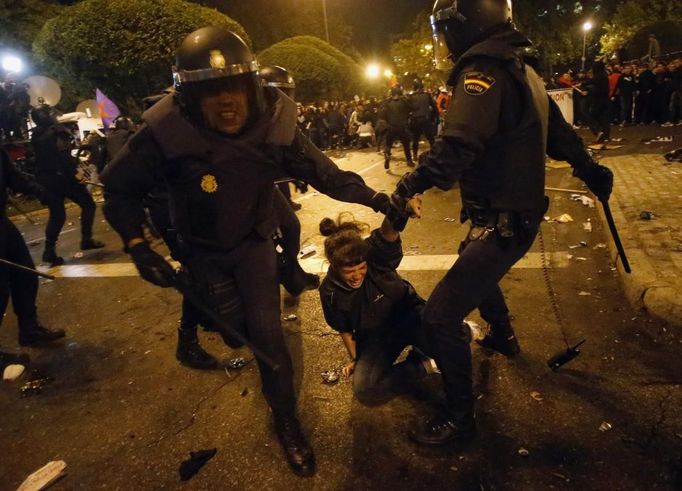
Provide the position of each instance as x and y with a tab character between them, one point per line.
354	276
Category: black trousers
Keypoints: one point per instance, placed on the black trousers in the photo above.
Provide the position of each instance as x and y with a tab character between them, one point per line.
395	133
22	287
626	103
242	286
600	119
377	378
473	282
419	127
62	187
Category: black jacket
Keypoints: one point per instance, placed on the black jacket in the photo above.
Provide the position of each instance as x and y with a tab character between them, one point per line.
381	304
11	178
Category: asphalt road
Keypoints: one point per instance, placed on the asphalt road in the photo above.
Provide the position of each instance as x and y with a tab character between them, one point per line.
123	413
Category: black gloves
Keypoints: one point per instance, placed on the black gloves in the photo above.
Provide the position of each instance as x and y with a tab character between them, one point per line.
301	187
152	267
598	178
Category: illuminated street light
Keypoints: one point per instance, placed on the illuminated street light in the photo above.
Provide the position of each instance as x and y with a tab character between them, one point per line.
12	64
587	27
388	73
428	47
372	72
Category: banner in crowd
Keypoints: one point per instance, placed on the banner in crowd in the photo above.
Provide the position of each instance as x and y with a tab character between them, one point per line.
564	98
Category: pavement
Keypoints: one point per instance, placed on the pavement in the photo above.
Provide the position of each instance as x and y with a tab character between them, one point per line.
645	182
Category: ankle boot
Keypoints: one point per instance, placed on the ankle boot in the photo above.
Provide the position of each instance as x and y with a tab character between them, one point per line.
189	352
50	255
501	338
33	333
298	452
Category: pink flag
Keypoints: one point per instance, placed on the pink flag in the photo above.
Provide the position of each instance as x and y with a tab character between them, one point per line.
107	109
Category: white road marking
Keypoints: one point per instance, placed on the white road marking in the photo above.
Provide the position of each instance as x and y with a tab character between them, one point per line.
441	262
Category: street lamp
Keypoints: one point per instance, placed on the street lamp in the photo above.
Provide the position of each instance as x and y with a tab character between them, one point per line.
12	64
373	70
587	27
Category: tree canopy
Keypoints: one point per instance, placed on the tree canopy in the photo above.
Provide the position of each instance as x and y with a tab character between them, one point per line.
124	47
320	70
20	21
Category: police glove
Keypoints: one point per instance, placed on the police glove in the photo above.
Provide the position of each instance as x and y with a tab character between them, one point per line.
598	178
152	267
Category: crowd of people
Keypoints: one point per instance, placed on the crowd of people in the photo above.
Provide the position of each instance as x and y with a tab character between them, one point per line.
15	103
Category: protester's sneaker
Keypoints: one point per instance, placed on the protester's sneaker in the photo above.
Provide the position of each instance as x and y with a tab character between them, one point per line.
298	452
87	244
442	429
37	334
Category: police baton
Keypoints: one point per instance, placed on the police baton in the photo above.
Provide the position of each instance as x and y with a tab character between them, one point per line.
25	269
184	287
614	234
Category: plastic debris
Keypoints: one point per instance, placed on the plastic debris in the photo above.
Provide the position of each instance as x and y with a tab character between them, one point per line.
565	218
290	317
605	426
523	452
581	259
450	220
78	255
196	461
307	251
600	246
580	244
585	200
587	226
585	294
537	396
646	215
13	372
35	386
44	476
330	377
237	363
657	139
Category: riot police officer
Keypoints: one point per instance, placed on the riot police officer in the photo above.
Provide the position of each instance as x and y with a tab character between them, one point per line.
56	171
396	113
218	144
423	116
500	126
124	127
20	285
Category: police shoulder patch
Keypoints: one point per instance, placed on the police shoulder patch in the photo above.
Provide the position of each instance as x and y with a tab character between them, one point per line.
477	83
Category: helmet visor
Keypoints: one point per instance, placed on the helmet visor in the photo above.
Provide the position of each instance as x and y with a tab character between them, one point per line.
442	58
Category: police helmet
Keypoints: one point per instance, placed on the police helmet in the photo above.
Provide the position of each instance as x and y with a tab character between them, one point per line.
396	91
417	84
459	24
278	77
211	60
123	123
42	115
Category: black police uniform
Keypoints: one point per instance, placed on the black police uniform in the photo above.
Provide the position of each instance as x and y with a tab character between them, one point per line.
500	125
56	170
384	316
423	115
396	113
221	201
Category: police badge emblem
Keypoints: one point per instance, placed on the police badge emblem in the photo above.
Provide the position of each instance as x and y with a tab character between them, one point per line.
209	184
217	60
477	83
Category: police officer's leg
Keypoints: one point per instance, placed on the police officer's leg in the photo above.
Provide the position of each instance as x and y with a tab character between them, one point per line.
79	194
405	140
390	139
416	132
189	352
255	272
480	267
55	222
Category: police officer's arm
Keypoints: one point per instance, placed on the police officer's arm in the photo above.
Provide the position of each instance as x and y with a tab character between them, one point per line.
128	179
564	144
304	161
472	119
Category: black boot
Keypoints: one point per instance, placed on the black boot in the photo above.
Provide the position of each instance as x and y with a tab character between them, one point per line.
189	352
87	244
387	161
501	338
33	333
443	429
298	452
50	256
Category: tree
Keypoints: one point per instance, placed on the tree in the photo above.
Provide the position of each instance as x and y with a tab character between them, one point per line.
21	20
124	47
320	70
412	53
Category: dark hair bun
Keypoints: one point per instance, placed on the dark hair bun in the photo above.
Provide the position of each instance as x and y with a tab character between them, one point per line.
328	227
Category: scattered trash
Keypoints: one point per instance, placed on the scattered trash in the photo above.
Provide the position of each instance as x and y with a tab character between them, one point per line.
600	246
523	452
646	215
307	251
585	294
657	139
36	385
450	220
78	255
244	392
587	226
580	244
569	256
565	218
537	396
330	377
13	372
605	426
585	200
561	476
44	476
237	363
196	461
617	140
581	259
290	317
